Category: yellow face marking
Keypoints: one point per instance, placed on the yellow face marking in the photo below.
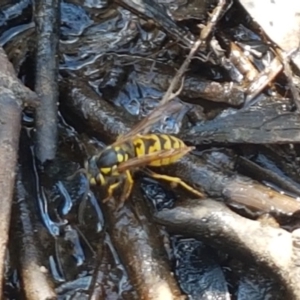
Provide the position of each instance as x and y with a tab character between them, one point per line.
117	148
100	178
105	170
120	157
114	171
93	181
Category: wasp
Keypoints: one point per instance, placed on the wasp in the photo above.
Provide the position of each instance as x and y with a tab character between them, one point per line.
138	149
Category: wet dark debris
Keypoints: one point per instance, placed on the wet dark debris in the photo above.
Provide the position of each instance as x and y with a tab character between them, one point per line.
74	76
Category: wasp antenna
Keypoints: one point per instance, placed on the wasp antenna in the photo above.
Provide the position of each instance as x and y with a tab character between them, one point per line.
85	197
83	204
81	170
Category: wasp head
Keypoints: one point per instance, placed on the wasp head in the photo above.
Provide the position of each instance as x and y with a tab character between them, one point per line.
93	174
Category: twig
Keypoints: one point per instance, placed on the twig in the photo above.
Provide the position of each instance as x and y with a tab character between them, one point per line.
31	267
47	26
205	32
273	249
13	94
10	118
144	257
262	80
10	81
285	58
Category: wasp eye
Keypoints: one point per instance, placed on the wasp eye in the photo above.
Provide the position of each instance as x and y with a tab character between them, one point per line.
107	159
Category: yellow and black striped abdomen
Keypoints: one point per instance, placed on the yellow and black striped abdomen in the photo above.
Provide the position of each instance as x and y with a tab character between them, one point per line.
150	143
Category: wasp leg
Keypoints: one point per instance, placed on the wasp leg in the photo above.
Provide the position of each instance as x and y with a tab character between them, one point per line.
127	188
110	191
176	180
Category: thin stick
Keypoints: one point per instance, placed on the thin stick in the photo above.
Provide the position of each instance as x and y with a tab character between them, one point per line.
205	32
285	59
46	84
13	94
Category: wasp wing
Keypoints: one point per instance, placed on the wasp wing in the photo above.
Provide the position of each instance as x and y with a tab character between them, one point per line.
138	162
145	124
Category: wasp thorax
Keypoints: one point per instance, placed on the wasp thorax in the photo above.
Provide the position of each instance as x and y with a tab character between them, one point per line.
93	174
